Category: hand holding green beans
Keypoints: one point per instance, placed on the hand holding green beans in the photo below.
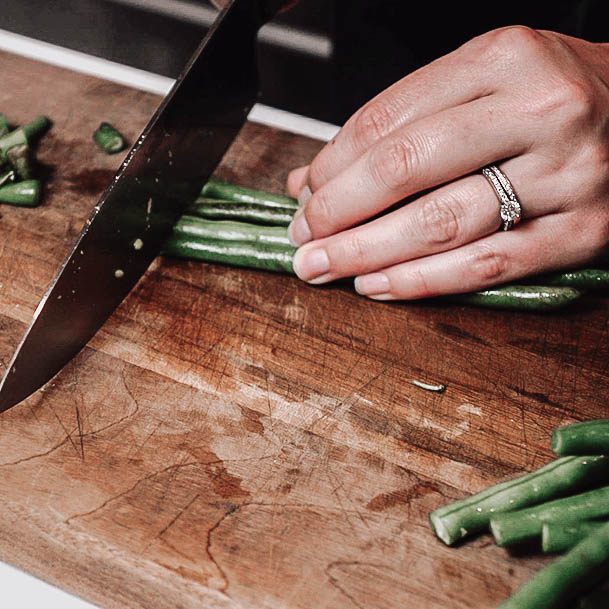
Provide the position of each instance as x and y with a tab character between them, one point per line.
261	214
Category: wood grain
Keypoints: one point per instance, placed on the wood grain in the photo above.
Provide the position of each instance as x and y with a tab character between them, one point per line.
237	439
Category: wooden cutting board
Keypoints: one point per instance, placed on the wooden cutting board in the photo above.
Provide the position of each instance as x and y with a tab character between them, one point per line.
238	439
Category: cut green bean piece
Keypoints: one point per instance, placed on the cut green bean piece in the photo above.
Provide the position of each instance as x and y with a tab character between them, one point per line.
12	139
569	576
23	135
558	537
4	128
525	525
21	194
214	209
585	279
36	127
247	255
109	139
521	298
456	521
217	189
587	438
20	157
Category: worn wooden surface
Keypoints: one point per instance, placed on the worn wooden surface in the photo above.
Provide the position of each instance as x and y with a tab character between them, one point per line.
237	439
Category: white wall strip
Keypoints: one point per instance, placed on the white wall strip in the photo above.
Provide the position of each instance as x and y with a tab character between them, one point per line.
153	83
20	590
280	35
86	64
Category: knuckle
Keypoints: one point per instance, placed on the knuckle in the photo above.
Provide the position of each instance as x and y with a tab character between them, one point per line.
596	229
319	213
356	250
393	163
438	222
317	175
577	99
573	100
419	285
486	264
371	124
596	160
515	40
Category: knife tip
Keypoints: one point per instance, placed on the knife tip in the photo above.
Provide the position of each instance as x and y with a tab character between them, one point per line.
8	399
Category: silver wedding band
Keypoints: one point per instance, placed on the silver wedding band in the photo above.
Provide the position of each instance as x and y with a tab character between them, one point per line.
510	209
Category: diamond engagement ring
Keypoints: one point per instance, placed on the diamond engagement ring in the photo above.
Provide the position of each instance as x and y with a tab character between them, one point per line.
510	208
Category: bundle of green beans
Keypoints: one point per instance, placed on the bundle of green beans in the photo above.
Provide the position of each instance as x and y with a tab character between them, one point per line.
563	506
245	227
17	163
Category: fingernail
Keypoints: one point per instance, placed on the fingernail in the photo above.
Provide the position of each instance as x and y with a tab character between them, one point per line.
312	265
304	196
299	232
375	284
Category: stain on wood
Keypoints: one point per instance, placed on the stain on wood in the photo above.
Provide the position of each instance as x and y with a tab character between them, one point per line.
237	439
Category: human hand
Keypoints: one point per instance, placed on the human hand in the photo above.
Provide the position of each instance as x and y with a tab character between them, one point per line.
535	103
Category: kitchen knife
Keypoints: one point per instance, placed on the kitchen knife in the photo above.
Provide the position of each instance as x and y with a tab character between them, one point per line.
165	171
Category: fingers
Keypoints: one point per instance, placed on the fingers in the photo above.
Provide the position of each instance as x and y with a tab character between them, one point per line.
296	180
449	81
427	153
446	218
499	258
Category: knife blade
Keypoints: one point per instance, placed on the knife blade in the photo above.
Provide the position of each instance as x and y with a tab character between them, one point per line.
165	170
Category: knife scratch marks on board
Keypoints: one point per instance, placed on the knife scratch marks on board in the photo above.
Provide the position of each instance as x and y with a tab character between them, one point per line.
177	516
130	489
139	447
80	433
268	400
68	435
46	453
340	587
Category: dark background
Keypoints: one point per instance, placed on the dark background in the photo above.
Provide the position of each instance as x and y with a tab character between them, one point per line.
352	48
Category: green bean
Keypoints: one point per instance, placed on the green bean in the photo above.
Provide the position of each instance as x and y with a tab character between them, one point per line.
109	139
235	253
214	209
585	279
525	525
217	189
521	297
20	158
12	139
453	522
21	194
589	438
23	135
565	579
197	229
558	537
36	127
